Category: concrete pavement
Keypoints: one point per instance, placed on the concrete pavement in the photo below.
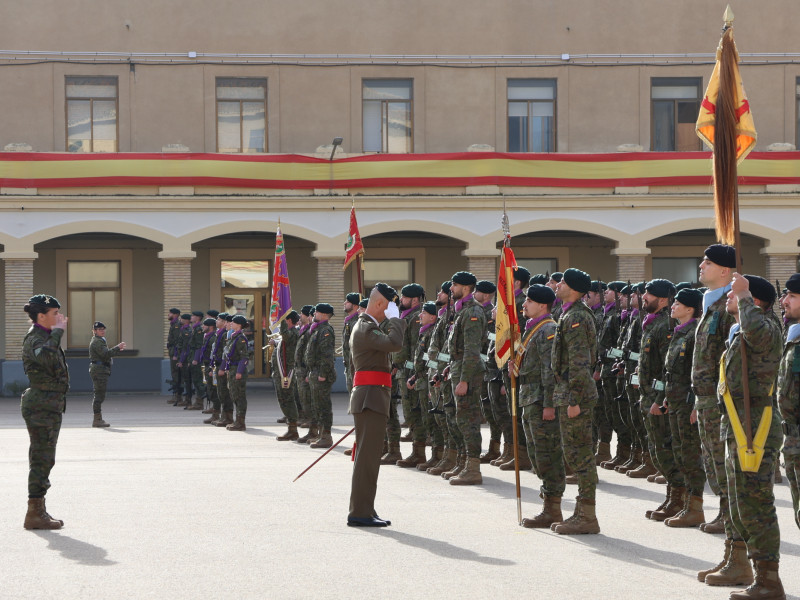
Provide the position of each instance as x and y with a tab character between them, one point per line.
161	506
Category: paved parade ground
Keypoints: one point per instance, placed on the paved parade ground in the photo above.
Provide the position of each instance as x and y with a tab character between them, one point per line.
161	506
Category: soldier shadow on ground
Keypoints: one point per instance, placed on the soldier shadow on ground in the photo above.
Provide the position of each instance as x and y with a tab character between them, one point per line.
440	548
76	550
530	483
117	430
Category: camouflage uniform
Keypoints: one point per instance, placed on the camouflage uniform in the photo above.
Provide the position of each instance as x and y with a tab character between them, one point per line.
347	330
751	498
302	389
789	405
536	385
236	363
685	435
284	352
319	357
601	424
403	360
606	340
420	391
498	403
100	359
182	356
574	358
631	348
43	403
495	430
196	371
173	335
441	393
464	342
222	399
203	358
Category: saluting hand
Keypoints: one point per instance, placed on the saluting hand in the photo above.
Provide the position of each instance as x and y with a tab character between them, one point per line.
121	345
740	286
61	322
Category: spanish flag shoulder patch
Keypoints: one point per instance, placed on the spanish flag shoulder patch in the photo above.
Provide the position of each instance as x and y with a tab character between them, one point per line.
574	325
551	336
473	318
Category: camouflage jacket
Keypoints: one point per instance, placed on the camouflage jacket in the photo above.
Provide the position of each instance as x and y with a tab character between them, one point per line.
437	341
182	345
410	339
632	344
764	342
300	349
607	339
236	355
100	355
492	372
535	377
656	336
173	334
678	365
319	354
519	300
217	347
789	390
421	351
196	341
285	350
709	344
465	341
347	331
44	361
574	357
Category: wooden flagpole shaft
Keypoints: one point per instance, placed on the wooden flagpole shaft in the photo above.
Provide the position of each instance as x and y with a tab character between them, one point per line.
513	378
737	236
360	280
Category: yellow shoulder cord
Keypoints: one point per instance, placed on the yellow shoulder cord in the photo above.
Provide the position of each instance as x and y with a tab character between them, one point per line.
750	460
524	346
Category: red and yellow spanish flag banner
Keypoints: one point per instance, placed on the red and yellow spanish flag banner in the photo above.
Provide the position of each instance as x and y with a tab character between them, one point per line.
506	308
354	248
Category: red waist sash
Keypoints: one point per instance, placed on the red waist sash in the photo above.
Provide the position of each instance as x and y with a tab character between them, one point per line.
372	378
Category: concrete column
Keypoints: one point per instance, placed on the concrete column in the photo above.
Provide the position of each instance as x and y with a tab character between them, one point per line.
177	284
631	263
18	268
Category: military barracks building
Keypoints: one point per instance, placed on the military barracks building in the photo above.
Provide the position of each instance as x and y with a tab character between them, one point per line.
148	151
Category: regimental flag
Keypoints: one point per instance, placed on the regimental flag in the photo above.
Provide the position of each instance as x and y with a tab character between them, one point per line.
354	248
506	322
281	304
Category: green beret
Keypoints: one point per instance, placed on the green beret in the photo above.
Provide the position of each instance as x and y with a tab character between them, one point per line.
229	317
722	255
175	311
793	284
307	310
45	300
485	287
387	291
324	308
446	285
363	303
212	313
186	316
430	307
99	325
761	289
222	315
690	297
616	286
539	278
577	280
464	278
293	316
210	321
597	286
353	298
683	285
660	288
523	275
240	320
413	290
198	313
541	294
557	276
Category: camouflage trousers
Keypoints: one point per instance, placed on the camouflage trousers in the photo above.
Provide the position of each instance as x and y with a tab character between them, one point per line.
42	411
509	399
238	392
186	381
488	414
393	423
449	407
177	376
406	396
348	376
429	419
468	416
686	447
99	387
303	393
544	440
499	405
285	398
212	390
418	399
792	462
659	444
639	431
196	372
321	401
578	447
619	425
709	422
751	497
440	417
225	399
602	429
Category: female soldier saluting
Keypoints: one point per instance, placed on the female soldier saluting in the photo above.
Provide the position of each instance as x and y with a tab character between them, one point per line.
44	401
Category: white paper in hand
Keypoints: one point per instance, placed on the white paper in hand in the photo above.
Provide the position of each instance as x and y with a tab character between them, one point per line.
392	311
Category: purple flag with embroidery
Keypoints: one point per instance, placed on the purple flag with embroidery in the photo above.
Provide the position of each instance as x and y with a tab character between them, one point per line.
281	295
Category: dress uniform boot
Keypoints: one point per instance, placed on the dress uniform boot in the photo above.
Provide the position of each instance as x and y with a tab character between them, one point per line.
237	425
448	461
649	513
492	453
417	456
701	575
603	453
674	505
470	474
767	585
524	461
690	516
392	454
290	435
213	418
37	517
435	459
623	454
98	421
644	470
584	521
551	513
737	571
226	419
461	461
311	435
633	463
323	441
507	455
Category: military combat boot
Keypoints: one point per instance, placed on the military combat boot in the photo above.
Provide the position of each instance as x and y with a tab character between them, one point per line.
324	440
213	418
525	463
603	453
196	405
649	513
435	459
417	456
701	575
507	455
226	419
282	420
623	454
551	513
37	517
392	454
237	425
584	520
208	411
98	421
174	399
461	462
645	469
767	585
492	453
717	524
407	437
737	571
311	435
690	516
290	435
674	505
659	479
185	401
633	462
448	462
470	474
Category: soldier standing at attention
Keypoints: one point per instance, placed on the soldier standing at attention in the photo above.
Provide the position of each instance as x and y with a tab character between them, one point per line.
751	497
44	402
306	412
411	298
536	385
212	376
422	364
223	352
376	333
554	280
100	361
174	319
574	396
464	344
181	355
203	355
195	365
350	307
716	273
283	373
236	368
321	372
484	295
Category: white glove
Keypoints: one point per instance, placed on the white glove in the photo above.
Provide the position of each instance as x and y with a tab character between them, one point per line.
392	311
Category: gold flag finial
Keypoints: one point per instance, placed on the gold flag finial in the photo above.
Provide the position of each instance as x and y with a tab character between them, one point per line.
728	16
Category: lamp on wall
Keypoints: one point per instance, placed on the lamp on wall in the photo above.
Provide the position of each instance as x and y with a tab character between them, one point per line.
336	143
